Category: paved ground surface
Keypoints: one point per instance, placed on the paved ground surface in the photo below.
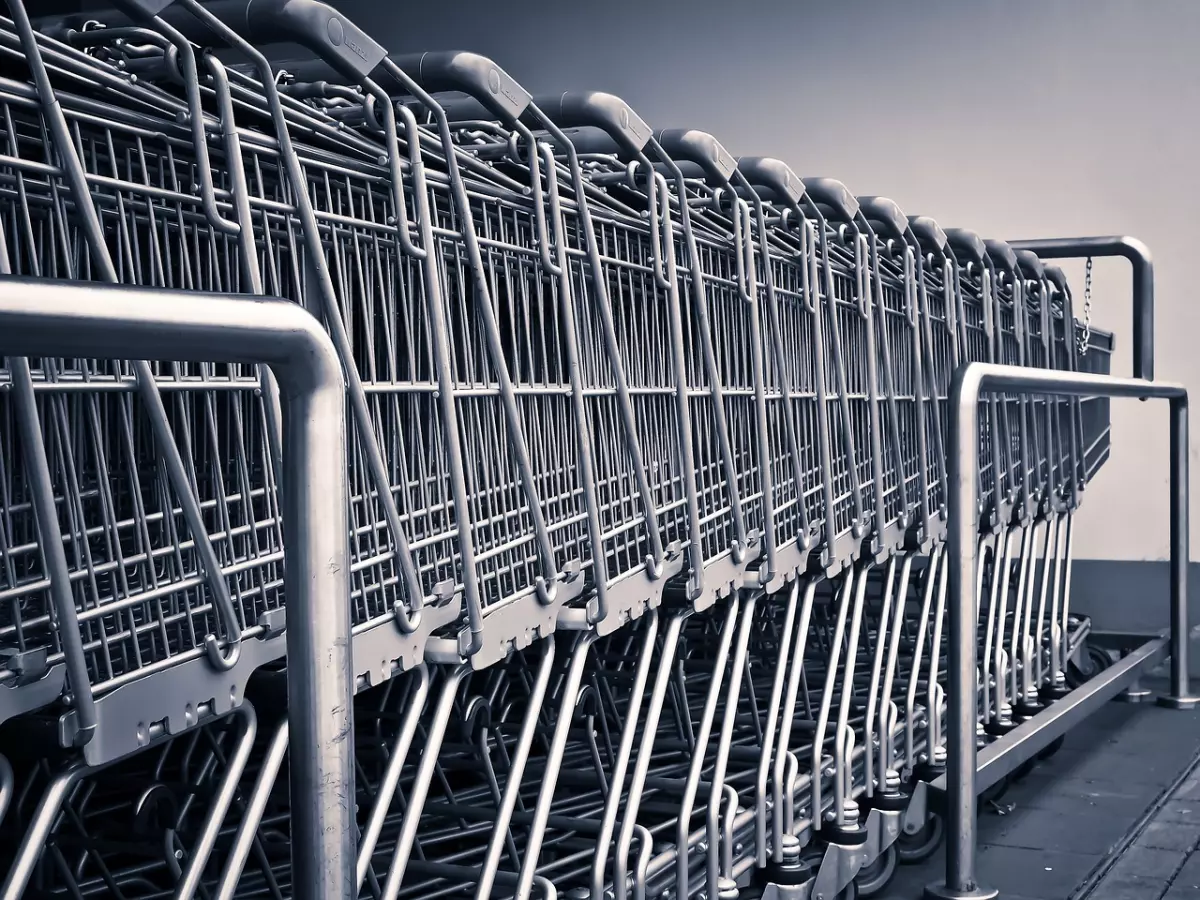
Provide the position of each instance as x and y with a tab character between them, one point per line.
1069	820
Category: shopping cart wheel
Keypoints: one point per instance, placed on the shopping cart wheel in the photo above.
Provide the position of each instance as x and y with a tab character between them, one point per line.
875	877
1092	661
1022	771
812	856
1079	672
1053	747
918	847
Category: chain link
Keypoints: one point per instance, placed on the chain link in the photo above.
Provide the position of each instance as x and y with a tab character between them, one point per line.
1085	339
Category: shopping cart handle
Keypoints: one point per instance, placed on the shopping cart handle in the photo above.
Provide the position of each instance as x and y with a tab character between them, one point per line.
832	194
315	25
1058	278
929	233
593	141
1001	253
887	213
968	243
773	174
701	149
471	74
1031	264
595	109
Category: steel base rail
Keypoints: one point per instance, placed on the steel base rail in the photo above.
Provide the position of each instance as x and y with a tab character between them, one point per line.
1138	255
970	382
43	318
1008	753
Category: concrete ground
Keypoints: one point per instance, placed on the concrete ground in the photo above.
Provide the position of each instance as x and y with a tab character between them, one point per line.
1103	819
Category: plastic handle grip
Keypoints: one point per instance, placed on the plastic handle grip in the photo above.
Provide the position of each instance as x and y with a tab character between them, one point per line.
773	174
1031	264
967	243
831	193
1001	253
460	108
886	213
592	141
928	232
700	148
471	74
1058	278
317	26
595	109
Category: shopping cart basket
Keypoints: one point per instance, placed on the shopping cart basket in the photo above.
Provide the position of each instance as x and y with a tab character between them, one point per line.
467	221
152	574
803	277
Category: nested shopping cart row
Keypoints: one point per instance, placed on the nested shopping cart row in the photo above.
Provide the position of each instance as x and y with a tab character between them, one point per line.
620	404
749	735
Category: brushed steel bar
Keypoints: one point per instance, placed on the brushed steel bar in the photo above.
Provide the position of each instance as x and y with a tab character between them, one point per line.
970	382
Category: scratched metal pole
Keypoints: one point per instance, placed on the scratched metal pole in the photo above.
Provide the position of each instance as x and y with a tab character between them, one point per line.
969	383
52	318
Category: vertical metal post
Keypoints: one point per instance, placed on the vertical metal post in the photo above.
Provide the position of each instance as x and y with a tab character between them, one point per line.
963	693
320	681
1180	696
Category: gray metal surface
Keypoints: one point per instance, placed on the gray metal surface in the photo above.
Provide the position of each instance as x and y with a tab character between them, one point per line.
46	318
970	382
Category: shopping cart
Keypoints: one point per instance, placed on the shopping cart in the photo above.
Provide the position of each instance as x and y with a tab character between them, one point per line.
700	265
859	304
142	547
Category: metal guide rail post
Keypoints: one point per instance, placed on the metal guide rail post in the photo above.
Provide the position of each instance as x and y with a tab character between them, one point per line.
970	383
1138	255
43	318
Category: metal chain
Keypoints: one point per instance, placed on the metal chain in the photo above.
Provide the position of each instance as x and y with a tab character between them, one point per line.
1085	339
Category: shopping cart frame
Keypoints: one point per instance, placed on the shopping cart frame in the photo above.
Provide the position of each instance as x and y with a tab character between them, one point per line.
1138	254
54	318
962	779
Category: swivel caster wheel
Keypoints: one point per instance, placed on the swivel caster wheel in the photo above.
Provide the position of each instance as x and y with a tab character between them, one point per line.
916	848
1052	748
1092	661
875	878
1023	770
813	857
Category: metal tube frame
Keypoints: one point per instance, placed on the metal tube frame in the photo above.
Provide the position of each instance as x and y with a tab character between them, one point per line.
1138	255
45	318
970	382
